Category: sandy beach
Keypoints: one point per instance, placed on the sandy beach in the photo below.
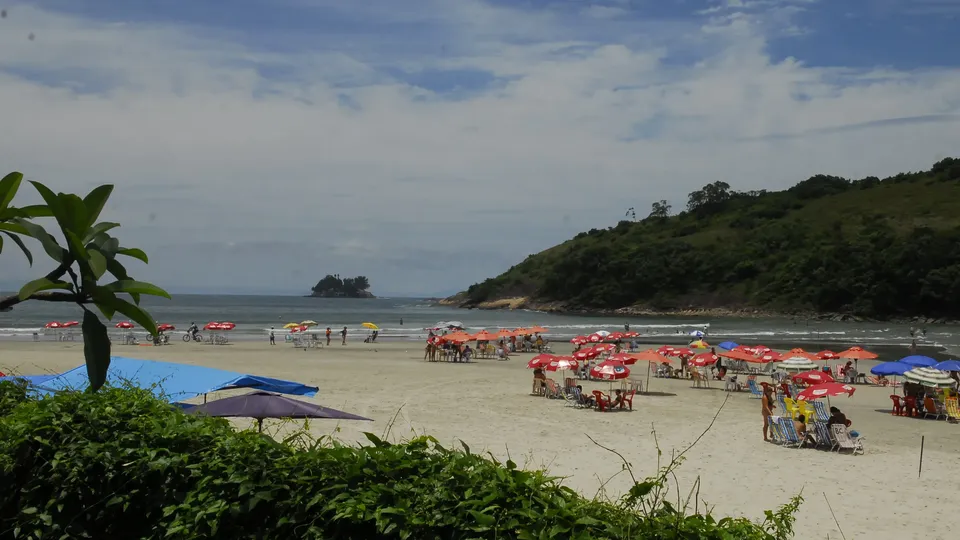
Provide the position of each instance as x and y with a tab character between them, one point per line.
488	405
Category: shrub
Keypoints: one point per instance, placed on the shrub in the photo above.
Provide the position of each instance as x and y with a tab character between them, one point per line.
122	464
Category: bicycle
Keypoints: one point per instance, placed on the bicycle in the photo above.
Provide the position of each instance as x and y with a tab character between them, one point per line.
196	337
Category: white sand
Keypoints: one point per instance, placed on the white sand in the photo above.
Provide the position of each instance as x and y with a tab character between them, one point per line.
487	405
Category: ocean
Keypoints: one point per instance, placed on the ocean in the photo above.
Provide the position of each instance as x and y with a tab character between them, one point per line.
254	315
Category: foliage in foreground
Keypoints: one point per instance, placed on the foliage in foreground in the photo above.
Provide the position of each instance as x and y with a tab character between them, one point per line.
871	247
122	464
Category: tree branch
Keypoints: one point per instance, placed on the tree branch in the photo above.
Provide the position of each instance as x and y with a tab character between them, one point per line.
8	302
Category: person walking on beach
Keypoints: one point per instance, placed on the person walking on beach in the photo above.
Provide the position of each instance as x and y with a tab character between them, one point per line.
767	410
328	336
343	334
273	339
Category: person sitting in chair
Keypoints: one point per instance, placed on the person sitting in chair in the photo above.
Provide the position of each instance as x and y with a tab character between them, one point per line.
617	402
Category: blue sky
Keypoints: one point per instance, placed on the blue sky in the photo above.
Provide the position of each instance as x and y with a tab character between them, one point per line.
429	144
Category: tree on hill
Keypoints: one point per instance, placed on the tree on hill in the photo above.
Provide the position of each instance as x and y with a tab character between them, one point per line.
659	210
709	198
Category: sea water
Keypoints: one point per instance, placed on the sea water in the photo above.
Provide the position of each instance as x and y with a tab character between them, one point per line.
255	315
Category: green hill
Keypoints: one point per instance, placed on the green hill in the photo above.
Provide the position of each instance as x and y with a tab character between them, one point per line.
869	247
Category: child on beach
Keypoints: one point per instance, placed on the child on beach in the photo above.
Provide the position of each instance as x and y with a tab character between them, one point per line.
328	336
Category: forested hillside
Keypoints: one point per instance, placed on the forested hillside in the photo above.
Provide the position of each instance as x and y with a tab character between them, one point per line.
872	247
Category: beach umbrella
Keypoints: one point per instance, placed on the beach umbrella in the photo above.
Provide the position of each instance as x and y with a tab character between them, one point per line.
949	365
213	325
927	376
602	333
857	353
562	363
890	368
595	338
308	322
227	326
540	360
370	326
682	351
290	325
798	353
262	405
615	336
165	327
826	390
704	359
521	331
504	333
665	350
626	359
483	335
579	340
798	364
124	325
769	356
630	335
700	344
586	354
918	361
649	355
69	324
827	355
604	347
813	377
52	324
538	330
610	371
738	355
728	345
457	337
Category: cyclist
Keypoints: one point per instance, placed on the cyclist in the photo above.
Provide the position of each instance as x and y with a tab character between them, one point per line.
194	330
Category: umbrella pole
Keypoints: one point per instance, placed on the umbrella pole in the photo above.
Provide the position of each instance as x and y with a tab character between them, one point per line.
204	399
648	377
259	425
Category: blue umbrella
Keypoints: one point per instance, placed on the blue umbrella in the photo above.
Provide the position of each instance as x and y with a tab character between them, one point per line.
949	365
918	361
728	345
891	368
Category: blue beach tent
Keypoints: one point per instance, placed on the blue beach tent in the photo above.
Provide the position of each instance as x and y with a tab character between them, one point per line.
728	345
891	368
168	380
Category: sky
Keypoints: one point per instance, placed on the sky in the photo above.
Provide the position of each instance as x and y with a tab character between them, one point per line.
429	144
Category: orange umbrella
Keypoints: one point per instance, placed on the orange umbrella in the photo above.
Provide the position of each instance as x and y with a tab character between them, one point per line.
483	335
538	330
857	353
522	331
650	355
738	355
799	353
503	332
457	337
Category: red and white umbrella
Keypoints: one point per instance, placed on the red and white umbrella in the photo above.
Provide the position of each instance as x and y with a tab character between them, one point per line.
629	335
52	324
69	324
212	326
540	360
704	359
825	390
586	354
562	363
165	327
624	358
610	371
231	326
666	349
595	338
604	347
682	351
769	356
813	377
124	325
615	336
579	340
827	355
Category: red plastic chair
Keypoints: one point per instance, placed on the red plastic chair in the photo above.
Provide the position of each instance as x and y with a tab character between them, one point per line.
603	400
910	405
897	406
785	389
628	398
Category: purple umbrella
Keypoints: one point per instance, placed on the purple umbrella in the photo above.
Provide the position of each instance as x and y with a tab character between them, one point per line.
262	405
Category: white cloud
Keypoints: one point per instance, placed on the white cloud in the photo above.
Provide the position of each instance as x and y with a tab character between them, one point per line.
348	169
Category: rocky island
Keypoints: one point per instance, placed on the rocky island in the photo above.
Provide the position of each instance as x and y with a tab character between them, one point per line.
333	286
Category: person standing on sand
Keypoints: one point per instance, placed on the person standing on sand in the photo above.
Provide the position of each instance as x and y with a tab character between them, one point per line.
343	334
328	336
767	410
273	339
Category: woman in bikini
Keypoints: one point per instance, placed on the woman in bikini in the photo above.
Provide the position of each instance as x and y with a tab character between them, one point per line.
767	410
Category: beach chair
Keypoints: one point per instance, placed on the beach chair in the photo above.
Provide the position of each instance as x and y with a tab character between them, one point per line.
754	390
807	410
952	407
553	391
897	405
781	400
790	435
876	381
628	397
932	407
602	400
775	430
845	441
820	411
570	398
790	406
824	438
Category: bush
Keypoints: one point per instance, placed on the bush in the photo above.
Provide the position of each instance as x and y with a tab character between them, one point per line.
122	464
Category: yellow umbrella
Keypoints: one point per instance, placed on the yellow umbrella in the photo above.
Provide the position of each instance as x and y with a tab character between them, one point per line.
370	325
291	325
308	323
699	344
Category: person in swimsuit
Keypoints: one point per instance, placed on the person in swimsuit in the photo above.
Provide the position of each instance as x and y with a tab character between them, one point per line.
767	410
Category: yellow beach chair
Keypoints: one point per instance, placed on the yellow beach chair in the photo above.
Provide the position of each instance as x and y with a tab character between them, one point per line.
792	408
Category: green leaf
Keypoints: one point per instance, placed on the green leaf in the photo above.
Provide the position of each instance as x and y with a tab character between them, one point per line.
42	284
133	252
53	202
108	302
8	188
98	263
99	228
96	349
138	287
50	245
76	246
13	227
484	520
94	202
75	214
36	210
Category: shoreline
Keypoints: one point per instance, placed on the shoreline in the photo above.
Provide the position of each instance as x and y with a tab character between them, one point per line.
560	308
